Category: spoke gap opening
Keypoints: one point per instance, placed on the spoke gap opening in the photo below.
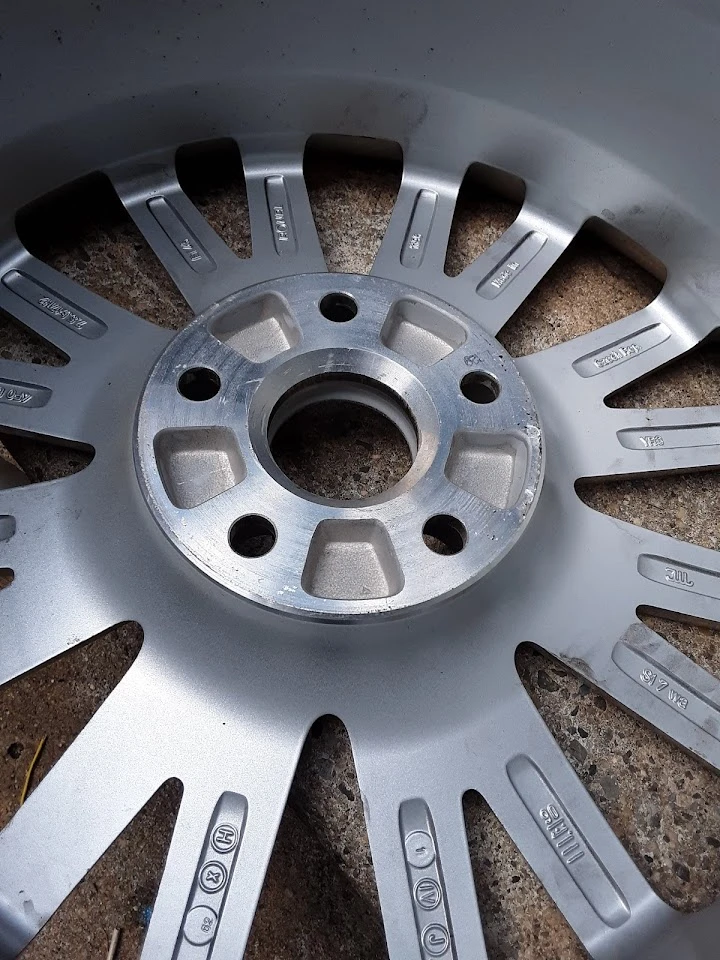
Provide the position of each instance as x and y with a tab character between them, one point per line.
602	277
352	185
321	859
488	202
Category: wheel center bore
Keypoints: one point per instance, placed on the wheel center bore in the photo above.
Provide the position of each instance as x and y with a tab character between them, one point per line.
246	374
324	435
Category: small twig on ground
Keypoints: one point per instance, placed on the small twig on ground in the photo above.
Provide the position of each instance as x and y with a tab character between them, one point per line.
29	773
114	941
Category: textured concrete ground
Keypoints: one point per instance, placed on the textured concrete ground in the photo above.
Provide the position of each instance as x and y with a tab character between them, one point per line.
320	897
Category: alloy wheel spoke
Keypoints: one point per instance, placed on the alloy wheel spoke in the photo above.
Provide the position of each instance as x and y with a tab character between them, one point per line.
421	859
222	844
94	790
284	236
670	574
41	400
565	839
415	244
494	285
598	364
41	621
652	678
200	263
637	442
79	323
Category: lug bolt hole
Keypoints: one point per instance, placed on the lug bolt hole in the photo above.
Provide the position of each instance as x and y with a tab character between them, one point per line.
198	384
252	536
480	387
444	534
338	307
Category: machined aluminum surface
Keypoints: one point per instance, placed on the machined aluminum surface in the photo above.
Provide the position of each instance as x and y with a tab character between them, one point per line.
232	674
205	464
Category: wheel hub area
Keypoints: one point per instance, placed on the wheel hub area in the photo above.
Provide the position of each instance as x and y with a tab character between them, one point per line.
225	386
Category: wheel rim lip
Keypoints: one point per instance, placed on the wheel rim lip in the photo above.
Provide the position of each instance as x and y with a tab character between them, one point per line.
608	185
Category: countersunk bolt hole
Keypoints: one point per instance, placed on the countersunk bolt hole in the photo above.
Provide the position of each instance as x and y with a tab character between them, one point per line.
338	307
480	387
444	534
197	384
252	536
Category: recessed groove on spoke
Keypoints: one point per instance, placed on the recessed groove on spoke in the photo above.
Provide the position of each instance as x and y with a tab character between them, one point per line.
607	360
211	174
284	236
208	861
508	272
693	380
41	401
83	323
703	430
519	918
423	873
200	263
699	644
47	303
566	840
511	266
268	775
670	574
352	200
662	803
634	443
674	680
495	285
417	235
611	355
679	576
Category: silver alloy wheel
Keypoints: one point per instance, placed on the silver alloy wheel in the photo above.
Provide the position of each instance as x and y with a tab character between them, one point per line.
229	680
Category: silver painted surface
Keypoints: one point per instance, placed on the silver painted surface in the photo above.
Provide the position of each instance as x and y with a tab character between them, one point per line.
431	699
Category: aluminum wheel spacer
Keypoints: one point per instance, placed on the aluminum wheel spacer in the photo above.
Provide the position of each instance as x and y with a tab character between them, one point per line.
206	464
226	687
